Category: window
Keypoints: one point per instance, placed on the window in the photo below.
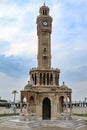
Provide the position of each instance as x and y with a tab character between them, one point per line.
44	50
44	12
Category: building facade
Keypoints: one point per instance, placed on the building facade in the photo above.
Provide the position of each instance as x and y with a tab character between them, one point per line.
45	98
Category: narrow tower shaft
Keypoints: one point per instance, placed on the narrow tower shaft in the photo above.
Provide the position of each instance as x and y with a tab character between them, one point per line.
44	27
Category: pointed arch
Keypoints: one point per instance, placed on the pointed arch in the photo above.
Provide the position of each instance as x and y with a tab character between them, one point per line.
40	79
35	79
32	104
46	109
47	78
51	79
44	79
61	104
31	101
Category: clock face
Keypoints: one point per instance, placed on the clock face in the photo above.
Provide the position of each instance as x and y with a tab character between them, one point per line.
45	23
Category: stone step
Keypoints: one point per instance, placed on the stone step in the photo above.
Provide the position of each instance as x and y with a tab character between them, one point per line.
32	124
14	125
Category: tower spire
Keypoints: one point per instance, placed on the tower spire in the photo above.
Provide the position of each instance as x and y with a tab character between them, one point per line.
44	2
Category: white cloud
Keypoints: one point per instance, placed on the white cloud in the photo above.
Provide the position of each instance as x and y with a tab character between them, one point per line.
8	84
79	90
22	41
7	33
56	13
23	46
68	35
76	2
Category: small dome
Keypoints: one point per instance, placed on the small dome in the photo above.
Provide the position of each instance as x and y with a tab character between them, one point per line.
64	86
28	86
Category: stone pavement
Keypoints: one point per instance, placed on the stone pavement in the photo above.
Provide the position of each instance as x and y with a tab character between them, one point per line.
76	117
7	128
15	123
58	128
6	123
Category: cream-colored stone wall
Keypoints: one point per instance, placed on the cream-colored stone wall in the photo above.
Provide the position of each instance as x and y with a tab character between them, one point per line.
44	80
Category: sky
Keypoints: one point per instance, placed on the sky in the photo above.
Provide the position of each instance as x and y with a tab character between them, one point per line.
19	43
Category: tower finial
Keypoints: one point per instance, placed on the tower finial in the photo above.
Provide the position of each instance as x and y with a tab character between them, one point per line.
63	83
44	2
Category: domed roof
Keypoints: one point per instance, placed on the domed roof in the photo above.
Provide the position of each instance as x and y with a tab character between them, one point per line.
64	86
28	86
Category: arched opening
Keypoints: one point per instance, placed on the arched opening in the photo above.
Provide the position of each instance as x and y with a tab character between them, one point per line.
35	79
61	104
51	79
44	12
24	105
44	79
46	109
44	50
24	102
32	78
31	100
32	104
47	79
40	79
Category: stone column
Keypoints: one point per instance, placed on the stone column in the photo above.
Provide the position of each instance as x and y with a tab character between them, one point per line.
49	78
38	79
53	79
42	78
66	105
20	107
57	80
58	106
35	108
27	107
35	102
34	79
46	79
70	105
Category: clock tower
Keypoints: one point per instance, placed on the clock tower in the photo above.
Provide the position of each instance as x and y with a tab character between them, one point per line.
44	29
45	98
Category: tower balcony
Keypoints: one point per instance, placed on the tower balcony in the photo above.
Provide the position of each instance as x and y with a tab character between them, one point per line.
46	77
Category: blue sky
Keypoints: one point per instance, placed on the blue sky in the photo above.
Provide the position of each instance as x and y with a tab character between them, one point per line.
18	43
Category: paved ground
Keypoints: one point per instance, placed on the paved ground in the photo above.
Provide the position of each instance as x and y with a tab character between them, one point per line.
6	128
42	128
57	128
13	123
6	125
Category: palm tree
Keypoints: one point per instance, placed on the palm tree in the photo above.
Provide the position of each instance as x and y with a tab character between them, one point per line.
14	92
